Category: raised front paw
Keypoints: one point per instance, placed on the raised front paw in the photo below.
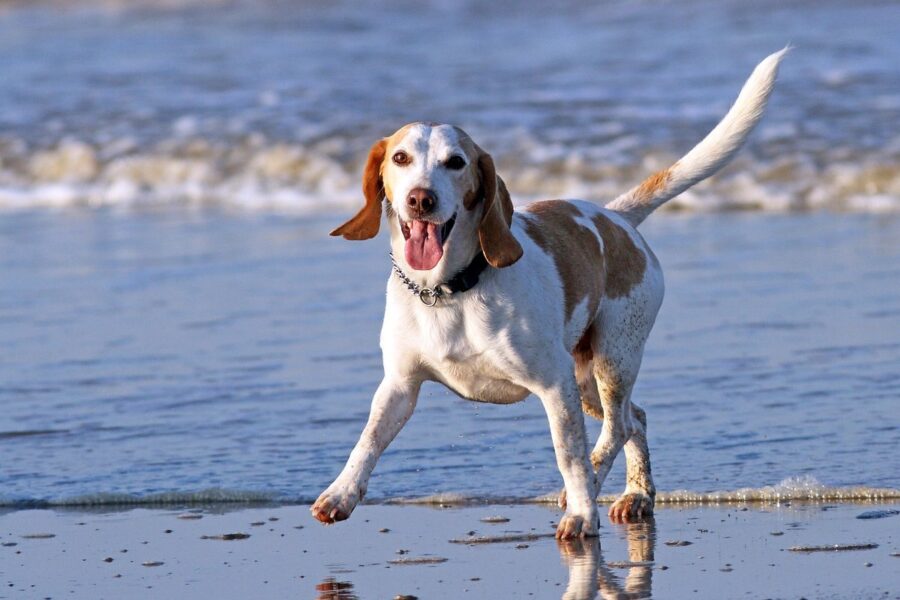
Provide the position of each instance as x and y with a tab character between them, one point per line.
576	525
631	506
335	505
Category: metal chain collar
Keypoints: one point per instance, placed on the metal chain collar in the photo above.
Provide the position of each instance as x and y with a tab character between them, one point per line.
428	296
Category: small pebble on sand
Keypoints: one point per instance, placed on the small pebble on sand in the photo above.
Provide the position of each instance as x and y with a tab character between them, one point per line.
153	563
384	530
501	539
494	519
629	564
405	597
776	533
108	559
227	537
678	543
420	560
878	514
833	548
39	536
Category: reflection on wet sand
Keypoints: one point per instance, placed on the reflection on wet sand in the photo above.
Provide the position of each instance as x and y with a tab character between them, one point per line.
331	589
589	573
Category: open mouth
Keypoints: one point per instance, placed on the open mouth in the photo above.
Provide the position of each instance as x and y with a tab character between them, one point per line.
425	242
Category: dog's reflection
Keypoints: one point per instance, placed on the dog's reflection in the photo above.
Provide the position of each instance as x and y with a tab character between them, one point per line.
331	589
589	574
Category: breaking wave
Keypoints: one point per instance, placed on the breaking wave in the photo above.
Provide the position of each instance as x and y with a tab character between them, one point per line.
800	489
806	489
254	173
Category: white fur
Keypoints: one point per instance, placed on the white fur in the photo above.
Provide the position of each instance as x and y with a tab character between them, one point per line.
715	150
509	337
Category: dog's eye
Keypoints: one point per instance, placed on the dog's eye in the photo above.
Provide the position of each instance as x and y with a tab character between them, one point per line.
400	158
455	162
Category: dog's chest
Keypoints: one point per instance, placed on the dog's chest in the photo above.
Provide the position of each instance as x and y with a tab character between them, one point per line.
463	352
478	378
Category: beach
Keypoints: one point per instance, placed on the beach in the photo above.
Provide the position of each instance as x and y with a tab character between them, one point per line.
171	408
491	551
187	357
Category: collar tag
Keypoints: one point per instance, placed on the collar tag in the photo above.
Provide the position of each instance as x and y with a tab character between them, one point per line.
428	296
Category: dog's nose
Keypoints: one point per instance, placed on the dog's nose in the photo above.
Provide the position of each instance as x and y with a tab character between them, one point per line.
421	201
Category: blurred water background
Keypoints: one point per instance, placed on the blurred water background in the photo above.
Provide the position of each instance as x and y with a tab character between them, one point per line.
273	104
174	318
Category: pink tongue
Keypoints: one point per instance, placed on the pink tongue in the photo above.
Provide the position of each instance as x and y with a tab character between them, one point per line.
423	248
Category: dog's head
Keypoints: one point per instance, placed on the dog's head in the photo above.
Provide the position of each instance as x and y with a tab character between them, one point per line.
444	194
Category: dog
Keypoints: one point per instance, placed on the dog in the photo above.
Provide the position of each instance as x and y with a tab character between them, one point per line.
555	299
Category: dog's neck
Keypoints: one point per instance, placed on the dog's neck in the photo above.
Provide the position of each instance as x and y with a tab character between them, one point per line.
459	252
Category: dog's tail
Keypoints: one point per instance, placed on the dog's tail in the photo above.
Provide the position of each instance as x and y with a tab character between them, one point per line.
711	154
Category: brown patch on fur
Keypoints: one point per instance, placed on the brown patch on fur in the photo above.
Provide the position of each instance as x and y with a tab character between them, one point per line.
625	263
471	198
575	251
653	184
583	351
499	245
584	374
366	222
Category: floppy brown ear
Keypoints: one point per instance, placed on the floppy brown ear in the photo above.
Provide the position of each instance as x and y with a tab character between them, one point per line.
500	247
365	223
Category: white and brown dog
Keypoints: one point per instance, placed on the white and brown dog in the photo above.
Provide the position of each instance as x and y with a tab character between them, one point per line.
556	299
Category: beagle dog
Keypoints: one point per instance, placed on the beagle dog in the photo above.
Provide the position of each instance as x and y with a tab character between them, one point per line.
556	299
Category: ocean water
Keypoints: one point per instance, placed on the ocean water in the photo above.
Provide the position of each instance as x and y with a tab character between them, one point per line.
167	353
273	104
175	322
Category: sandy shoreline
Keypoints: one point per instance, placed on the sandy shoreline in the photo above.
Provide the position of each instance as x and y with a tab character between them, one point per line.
426	552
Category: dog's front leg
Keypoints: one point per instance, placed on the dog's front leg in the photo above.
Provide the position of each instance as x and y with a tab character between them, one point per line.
563	405
392	406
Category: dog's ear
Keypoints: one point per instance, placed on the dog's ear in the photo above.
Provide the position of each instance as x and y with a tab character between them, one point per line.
365	223
500	247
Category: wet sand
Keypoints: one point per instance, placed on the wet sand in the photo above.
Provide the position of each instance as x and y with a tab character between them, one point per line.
750	551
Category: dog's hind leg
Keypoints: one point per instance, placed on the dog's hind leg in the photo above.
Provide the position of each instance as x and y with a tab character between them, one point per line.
615	396
624	426
620	348
638	498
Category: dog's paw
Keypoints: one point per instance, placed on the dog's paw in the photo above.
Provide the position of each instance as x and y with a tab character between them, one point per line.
573	526
631	506
334	505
